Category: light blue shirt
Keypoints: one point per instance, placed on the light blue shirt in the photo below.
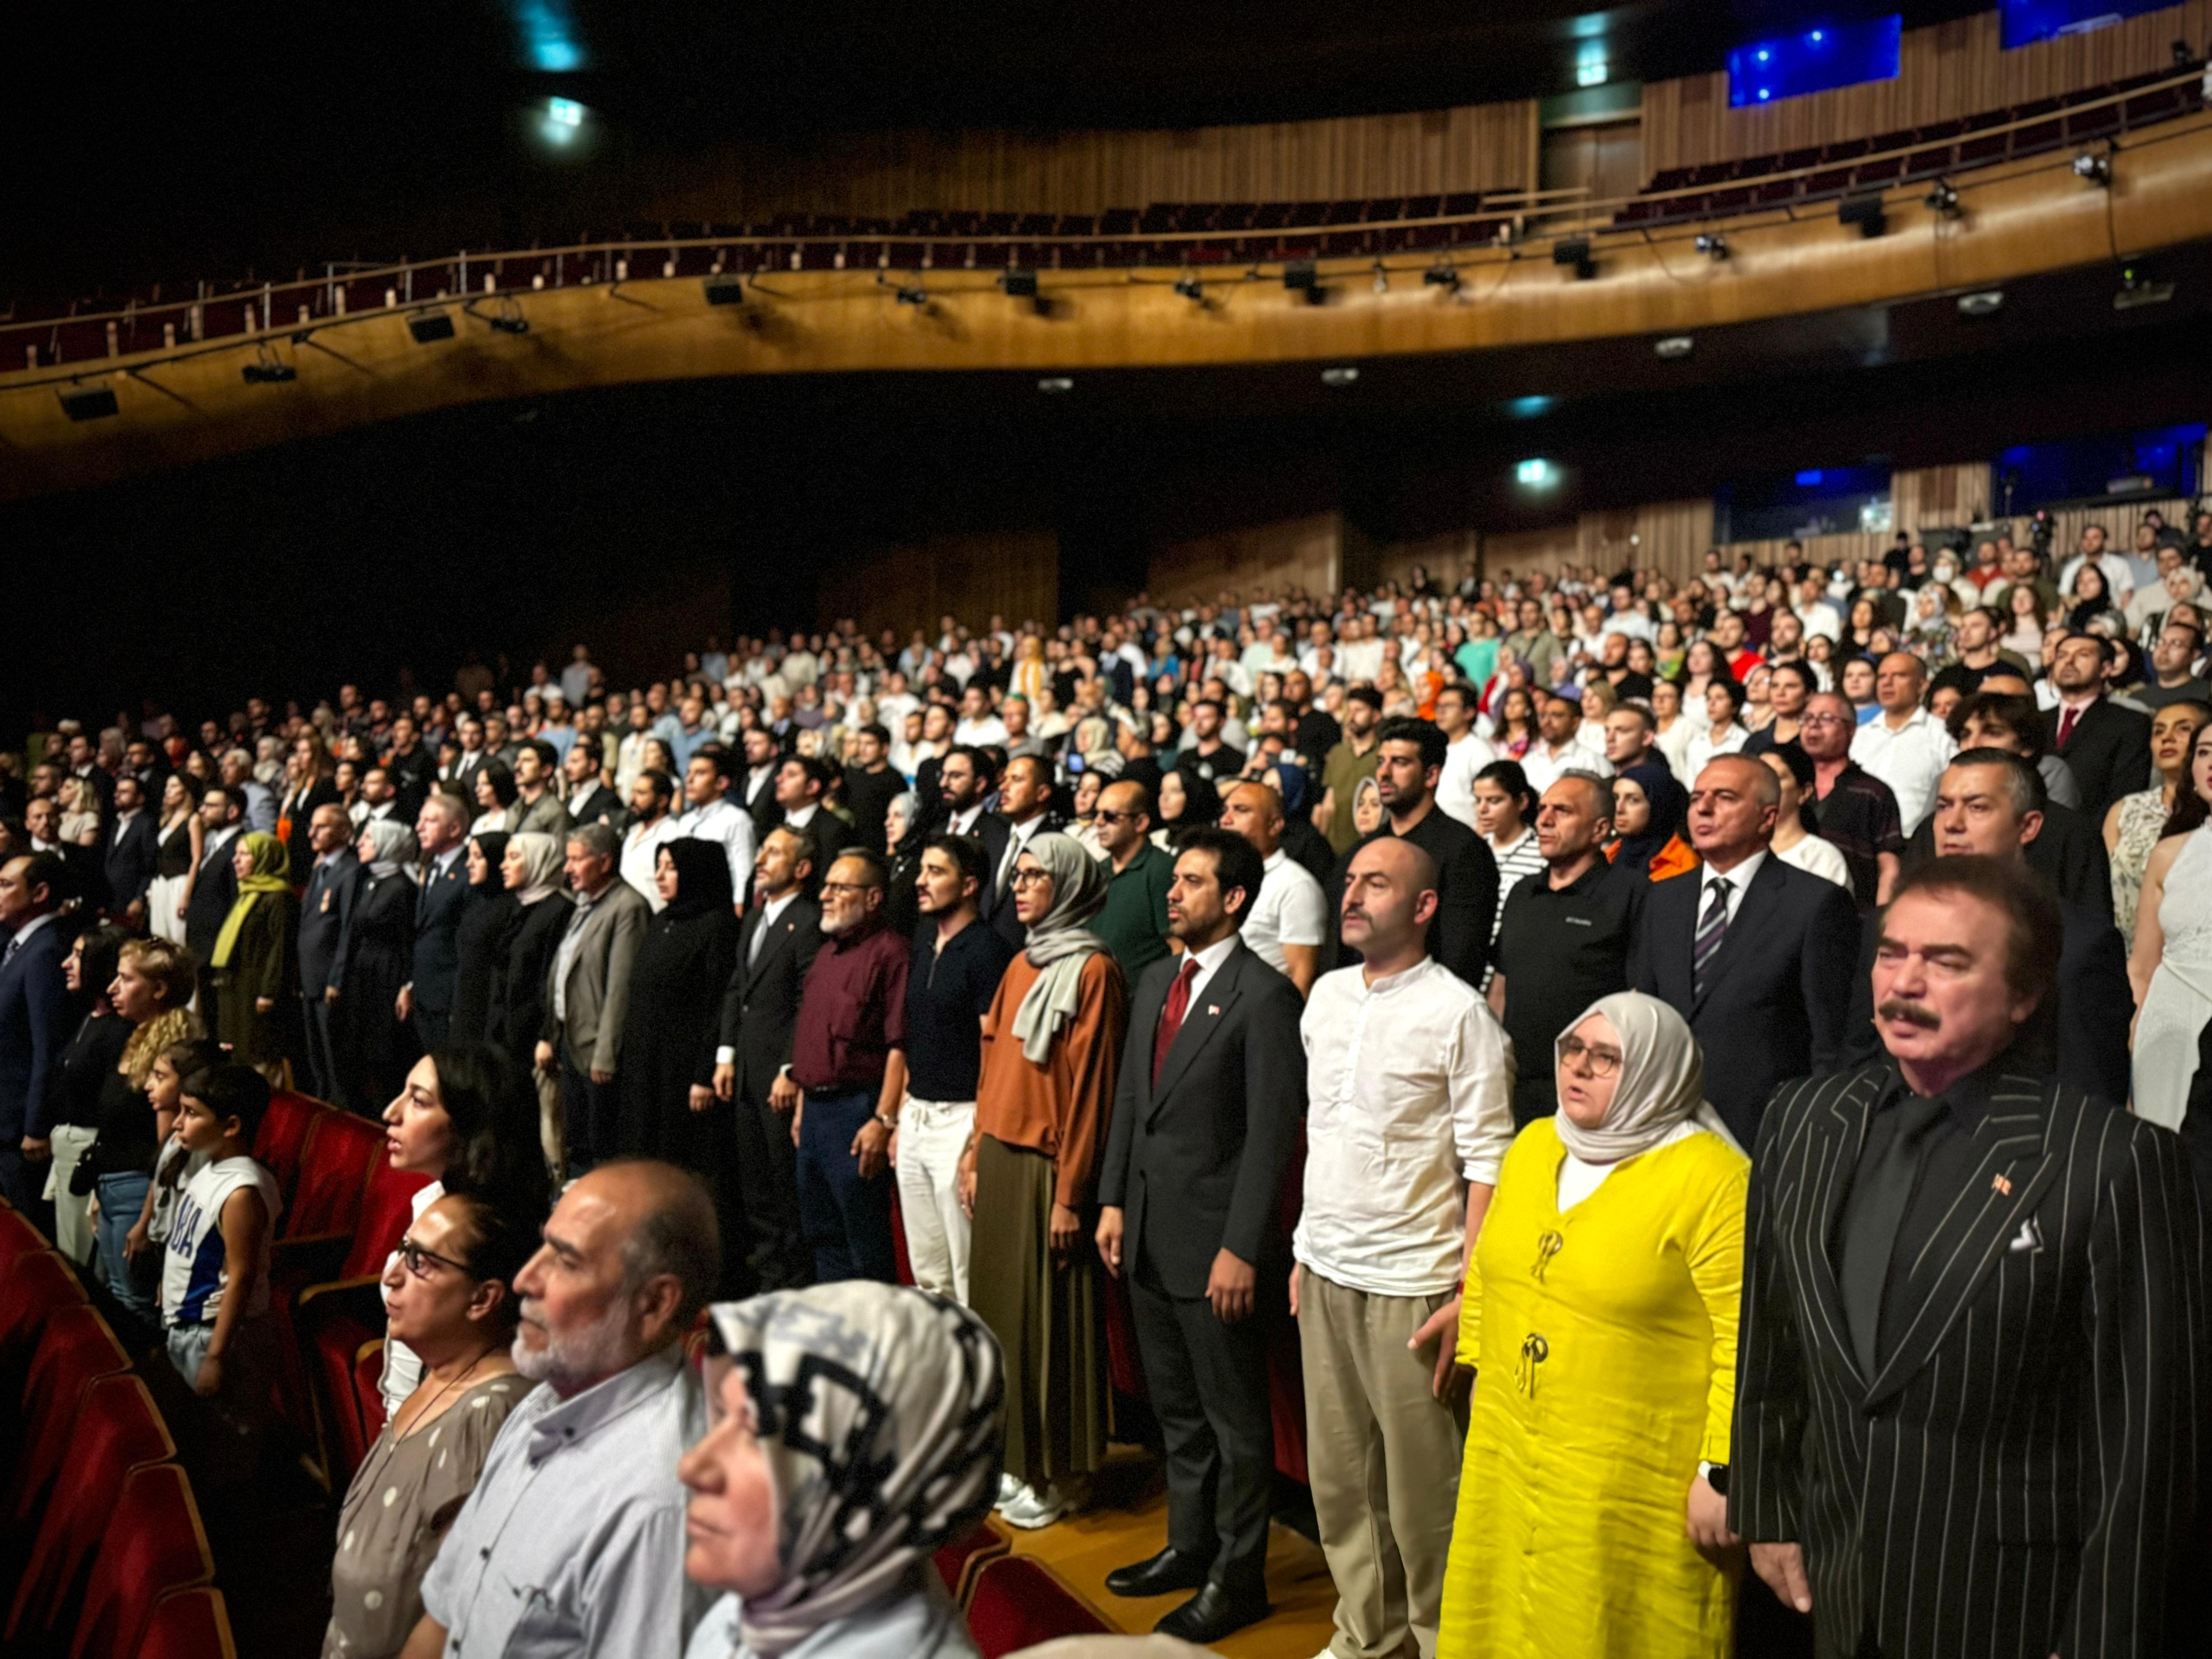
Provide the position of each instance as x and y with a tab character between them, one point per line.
920	1623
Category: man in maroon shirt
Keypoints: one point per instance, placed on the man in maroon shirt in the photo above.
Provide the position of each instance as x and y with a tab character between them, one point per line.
848	1074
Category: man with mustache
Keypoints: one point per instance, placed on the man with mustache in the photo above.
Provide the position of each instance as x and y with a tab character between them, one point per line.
573	1541
1967	1392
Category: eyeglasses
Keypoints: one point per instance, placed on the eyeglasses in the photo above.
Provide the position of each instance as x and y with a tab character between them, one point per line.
416	1256
1031	877
1598	1062
1104	816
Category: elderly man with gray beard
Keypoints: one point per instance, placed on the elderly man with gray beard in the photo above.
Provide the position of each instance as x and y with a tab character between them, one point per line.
572	1544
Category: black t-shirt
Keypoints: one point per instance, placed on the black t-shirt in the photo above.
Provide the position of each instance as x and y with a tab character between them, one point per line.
1560	949
81	1071
946	993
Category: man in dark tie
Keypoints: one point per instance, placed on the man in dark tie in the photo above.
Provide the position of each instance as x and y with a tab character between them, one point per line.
441	827
131	852
1969	1394
215	888
1752	951
1026	803
776	945
332	886
1212	1084
2105	746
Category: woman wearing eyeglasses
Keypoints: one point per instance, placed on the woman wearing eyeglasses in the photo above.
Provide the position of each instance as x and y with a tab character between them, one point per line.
447	1292
1600	1317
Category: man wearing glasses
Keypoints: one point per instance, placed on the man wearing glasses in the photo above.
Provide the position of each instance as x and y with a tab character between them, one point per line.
848	1074
1134	923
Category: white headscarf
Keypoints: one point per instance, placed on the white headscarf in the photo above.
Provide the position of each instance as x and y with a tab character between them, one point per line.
1662	1081
541	865
881	1414
397	848
1060	943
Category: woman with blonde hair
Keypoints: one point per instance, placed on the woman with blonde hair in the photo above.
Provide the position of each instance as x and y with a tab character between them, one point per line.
1600	1318
80	813
153	989
180	840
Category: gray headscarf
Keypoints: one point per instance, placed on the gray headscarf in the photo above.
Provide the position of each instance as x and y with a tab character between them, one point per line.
1662	1081
397	849
1060	943
541	865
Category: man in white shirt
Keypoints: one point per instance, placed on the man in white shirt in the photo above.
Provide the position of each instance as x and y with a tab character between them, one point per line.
979	727
1361	655
651	824
1289	921
1465	753
712	816
1397	1048
1904	745
2119	577
1558	747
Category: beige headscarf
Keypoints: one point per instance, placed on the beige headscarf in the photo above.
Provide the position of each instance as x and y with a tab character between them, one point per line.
541	865
1060	943
1661	1083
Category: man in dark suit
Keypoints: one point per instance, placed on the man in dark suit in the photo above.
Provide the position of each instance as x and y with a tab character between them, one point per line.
35	1017
2105	747
1754	953
215	888
589	800
1990	803
1969	1384
332	885
131	851
871	785
965	777
441	828
411	767
1025	810
1410	759
802	783
776	945
1212	1085
755	791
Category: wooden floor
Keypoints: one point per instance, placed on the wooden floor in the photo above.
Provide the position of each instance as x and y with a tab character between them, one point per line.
1128	1521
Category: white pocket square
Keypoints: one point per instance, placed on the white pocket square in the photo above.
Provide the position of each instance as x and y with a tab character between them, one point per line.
2027	1240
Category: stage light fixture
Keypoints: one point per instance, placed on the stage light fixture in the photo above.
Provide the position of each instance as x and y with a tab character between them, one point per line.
1675	346
1864	211
1944	200
913	296
268	369
1055	384
1985	303
1300	274
1575	253
1019	284
511	322
1443	274
88	403
1344	376
724	290
2138	288
1535	474
1191	288
2093	168
430	326
1713	245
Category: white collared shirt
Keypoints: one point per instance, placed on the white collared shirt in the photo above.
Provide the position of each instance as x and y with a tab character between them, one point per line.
1018	837
1410	1089
1909	758
1456	783
1739	879
964	823
723	822
1209	963
641	856
1290	909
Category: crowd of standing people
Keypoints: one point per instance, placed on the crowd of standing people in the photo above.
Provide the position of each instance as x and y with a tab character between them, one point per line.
1729	1047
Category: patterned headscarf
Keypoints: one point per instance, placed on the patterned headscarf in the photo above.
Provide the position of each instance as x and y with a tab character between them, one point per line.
880	1416
1060	943
1662	1081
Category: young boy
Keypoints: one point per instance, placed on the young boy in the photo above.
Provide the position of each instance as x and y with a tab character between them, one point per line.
215	1275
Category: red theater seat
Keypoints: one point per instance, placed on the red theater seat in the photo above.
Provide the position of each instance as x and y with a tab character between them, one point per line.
1018	1604
153	1544
117	1429
75	1347
958	1563
282	1140
32	1288
17	1236
191	1623
334	1165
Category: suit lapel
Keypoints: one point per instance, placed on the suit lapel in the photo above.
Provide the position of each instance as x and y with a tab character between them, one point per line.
780	932
1757	902
2014	1165
1838	1133
1207	1010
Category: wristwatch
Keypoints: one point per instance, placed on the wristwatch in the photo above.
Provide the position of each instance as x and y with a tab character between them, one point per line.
887	1122
1716	1476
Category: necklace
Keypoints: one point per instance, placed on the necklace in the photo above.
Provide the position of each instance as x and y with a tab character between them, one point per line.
416	1422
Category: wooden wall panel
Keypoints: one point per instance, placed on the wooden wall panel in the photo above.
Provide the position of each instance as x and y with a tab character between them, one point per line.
1946	70
1015	573
1305	552
1472	147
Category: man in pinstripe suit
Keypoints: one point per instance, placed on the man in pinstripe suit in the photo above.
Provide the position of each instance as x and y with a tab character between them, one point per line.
1968	1386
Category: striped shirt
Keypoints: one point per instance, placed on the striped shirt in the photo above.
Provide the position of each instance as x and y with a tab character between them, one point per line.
1517	858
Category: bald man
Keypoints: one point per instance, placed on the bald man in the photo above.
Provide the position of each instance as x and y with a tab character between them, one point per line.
1134	923
1397	1049
572	1541
1904	745
1289	921
1754	952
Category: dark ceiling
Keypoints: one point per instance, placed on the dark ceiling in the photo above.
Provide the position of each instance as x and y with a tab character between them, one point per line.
169	141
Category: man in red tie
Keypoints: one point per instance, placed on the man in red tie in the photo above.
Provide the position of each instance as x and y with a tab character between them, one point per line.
1212	1088
2105	746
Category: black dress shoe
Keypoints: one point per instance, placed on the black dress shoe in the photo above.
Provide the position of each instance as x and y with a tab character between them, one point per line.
1170	1569
1214	1612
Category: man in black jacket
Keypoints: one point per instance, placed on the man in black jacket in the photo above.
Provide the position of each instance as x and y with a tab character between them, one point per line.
1754	952
776	945
132	850
1409	760
222	817
412	768
1969	1383
2106	747
441	827
332	885
1212	1085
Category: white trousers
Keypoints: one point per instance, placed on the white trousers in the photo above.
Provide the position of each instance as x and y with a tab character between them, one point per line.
932	1135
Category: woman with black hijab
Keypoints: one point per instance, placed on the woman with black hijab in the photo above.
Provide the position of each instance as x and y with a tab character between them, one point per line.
376	948
668	1108
489	918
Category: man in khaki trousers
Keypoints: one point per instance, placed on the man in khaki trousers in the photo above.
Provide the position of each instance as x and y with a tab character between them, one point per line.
1410	1110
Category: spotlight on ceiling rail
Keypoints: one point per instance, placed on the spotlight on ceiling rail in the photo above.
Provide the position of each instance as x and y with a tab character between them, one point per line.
1944	200
511	322
1191	289
1713	245
1575	253
724	290
912	296
88	403
1674	347
2093	168
266	370
1344	376
1443	274
1985	303
1054	384
2139	288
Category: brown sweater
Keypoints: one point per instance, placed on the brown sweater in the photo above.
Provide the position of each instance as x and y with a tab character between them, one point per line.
1061	1109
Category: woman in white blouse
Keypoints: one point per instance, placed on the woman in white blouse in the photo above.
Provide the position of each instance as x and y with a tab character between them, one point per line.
1793	843
1720	732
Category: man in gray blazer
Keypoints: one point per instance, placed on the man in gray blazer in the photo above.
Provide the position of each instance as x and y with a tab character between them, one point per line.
588	995
1969	1387
1212	1088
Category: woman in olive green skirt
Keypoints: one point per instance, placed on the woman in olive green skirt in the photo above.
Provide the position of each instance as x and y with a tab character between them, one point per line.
1050	1042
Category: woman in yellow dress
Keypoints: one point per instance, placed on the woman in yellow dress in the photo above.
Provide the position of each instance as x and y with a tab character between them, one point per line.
1600	1317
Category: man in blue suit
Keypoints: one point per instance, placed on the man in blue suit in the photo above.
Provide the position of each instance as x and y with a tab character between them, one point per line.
34	1020
442	827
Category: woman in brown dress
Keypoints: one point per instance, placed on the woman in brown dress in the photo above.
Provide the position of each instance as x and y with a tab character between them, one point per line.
1050	1044
448	1295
